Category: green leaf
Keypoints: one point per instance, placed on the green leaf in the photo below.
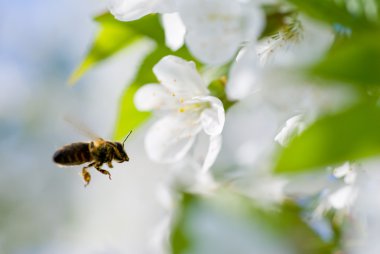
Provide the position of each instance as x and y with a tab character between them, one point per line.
229	223
148	26
355	60
114	36
356	14
129	118
349	135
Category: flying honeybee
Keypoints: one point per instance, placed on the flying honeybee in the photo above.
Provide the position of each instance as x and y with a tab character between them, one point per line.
96	152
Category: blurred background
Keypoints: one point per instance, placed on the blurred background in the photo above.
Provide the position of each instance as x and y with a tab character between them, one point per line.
44	208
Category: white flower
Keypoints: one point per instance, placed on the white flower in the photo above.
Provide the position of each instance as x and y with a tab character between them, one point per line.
127	10
189	109
191	180
300	43
293	127
217	28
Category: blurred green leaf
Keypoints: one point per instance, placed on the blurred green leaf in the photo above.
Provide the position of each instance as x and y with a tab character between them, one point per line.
349	135
354	14
231	223
115	35
129	118
355	60
148	26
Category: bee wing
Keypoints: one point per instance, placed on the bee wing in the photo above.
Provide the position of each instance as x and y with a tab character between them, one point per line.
80	126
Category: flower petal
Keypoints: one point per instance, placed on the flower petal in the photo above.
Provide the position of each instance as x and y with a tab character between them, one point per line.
293	127
180	77
342	170
127	10
174	30
211	49
244	75
153	96
213	117
171	137
130	10
212	153
216	30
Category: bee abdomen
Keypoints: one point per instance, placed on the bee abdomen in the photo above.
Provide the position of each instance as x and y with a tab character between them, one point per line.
73	154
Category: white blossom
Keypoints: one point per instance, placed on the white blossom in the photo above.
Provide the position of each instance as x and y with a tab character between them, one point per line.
127	10
300	43
217	28
185	175
187	109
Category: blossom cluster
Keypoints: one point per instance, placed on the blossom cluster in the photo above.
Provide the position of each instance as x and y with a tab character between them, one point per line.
219	32
273	102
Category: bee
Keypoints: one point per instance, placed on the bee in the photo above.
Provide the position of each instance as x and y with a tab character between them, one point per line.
96	152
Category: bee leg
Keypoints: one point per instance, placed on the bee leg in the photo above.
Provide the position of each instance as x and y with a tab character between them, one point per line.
103	171
110	164
86	176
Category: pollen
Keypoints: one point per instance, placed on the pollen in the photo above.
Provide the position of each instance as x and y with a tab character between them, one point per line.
181	100
223	80
181	110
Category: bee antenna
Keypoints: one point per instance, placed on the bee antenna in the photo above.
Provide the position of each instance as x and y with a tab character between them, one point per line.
127	137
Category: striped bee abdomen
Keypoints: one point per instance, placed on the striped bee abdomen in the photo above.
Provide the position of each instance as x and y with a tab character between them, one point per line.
73	154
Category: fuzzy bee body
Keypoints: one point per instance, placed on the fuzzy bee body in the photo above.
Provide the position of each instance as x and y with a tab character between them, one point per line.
96	153
73	154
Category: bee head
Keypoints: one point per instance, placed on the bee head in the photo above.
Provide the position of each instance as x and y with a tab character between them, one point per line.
122	155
